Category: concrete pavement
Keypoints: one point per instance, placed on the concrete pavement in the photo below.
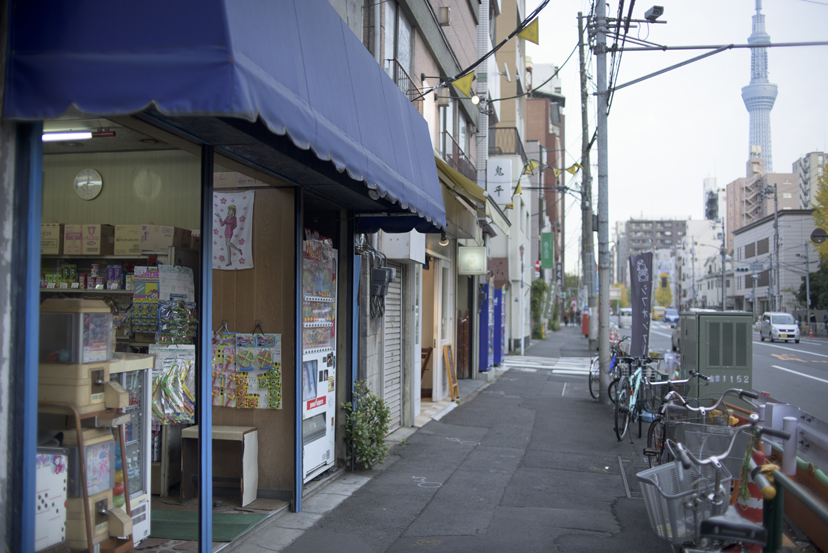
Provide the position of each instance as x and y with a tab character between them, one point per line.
530	463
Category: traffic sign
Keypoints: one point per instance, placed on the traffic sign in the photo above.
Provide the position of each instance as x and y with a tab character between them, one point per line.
757	267
537	265
819	235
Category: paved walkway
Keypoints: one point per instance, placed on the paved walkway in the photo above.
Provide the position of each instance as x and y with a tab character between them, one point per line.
529	463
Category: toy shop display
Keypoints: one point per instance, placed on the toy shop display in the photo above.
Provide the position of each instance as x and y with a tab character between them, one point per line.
319	293
99	455
75	331
173	384
247	371
177	322
145	300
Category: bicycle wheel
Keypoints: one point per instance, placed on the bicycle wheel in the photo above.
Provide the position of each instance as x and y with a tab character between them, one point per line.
594	377
622	408
656	438
612	389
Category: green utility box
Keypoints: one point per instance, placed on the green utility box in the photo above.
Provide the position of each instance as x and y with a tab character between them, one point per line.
718	345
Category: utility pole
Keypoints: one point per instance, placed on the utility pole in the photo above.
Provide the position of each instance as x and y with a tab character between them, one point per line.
808	282
724	269
587	252
778	301
693	253
603	188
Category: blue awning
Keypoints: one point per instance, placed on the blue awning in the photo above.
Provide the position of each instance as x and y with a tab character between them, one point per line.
293	64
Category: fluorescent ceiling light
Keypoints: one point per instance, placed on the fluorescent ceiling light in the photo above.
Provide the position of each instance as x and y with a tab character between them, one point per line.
61	136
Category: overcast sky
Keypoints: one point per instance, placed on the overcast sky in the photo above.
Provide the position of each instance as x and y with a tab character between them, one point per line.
668	133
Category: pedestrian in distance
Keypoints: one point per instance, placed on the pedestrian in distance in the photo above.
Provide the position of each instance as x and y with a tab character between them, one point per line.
825	321
565	318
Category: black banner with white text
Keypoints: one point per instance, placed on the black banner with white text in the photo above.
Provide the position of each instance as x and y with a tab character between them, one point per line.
641	291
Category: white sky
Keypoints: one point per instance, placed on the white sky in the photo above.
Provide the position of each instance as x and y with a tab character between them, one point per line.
668	133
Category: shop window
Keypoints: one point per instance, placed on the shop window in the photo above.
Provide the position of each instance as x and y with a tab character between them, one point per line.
399	40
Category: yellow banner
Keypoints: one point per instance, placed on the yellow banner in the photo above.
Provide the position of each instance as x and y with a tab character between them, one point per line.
464	84
531	32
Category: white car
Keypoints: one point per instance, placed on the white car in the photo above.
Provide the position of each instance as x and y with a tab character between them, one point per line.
778	326
625	317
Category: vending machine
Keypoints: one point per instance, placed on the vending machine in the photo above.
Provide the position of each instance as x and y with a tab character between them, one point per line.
318	370
486	334
133	372
499	327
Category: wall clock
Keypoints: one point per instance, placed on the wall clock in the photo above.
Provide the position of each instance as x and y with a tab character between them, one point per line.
88	184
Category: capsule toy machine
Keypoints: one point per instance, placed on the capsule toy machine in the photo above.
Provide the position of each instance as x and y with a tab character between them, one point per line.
318	369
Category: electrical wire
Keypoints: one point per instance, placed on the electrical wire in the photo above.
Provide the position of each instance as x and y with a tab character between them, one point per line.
525	23
542	84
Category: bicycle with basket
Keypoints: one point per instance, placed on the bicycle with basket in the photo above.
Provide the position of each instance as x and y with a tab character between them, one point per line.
688	499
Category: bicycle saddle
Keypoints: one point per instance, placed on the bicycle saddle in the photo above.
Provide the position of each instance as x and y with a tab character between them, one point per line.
731	526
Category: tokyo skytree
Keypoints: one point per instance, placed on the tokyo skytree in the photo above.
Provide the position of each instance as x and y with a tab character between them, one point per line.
760	95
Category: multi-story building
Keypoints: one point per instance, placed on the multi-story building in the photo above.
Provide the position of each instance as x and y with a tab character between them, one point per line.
715	199
703	240
753	249
750	198
709	286
651	234
808	169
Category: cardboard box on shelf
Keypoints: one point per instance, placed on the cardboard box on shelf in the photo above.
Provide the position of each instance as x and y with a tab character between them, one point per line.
51	239
127	239
72	239
98	239
159	237
195	241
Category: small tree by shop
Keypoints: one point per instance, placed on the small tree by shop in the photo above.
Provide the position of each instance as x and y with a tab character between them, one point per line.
538	300
663	295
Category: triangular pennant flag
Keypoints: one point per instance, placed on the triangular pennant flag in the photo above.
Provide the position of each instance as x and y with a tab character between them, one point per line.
557	171
572	170
464	84
530	167
531	32
518	190
578	165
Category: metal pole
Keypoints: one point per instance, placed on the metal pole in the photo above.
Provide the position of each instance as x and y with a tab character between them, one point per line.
603	188
778	302
753	277
587	260
808	282
724	272
693	253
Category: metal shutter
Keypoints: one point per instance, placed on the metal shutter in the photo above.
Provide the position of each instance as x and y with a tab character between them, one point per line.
393	338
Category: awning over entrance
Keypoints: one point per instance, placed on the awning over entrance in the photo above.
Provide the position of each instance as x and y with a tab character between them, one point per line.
293	64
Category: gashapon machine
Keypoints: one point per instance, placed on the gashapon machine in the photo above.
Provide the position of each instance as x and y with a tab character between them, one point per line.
318	370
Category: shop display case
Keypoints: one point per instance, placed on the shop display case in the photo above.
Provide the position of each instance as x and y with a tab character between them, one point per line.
319	271
133	372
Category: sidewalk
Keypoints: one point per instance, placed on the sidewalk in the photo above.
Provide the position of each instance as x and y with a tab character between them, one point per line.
530	463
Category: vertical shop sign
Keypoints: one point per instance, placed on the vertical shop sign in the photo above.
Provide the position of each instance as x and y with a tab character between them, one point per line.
547	251
499	180
233	230
641	270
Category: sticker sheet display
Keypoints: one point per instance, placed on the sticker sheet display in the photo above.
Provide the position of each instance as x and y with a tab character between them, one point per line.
173	384
258	371
145	300
224	375
318	269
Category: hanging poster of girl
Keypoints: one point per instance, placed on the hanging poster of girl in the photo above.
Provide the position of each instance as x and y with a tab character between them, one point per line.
233	230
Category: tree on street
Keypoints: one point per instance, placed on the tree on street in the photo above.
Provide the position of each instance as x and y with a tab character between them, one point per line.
663	295
821	216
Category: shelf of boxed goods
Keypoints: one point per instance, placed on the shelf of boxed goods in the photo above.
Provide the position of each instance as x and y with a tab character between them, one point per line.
110	418
84	291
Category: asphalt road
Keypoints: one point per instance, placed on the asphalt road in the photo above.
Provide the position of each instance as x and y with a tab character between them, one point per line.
789	372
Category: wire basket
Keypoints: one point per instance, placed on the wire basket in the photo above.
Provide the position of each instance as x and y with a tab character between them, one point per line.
704	440
676	416
677	499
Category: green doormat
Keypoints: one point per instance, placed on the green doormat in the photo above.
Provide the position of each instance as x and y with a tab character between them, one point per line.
183	525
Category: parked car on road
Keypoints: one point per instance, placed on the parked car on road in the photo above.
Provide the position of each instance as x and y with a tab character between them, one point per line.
778	326
671	316
625	317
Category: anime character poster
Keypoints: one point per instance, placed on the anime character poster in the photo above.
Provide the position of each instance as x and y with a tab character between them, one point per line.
233	230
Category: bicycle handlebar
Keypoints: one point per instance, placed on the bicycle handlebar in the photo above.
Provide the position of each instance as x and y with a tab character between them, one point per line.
673	395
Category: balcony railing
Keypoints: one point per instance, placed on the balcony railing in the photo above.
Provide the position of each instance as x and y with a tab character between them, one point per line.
454	156
506	141
404	83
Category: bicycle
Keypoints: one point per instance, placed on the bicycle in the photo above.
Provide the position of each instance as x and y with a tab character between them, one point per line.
629	404
679	420
614	372
687	500
662	424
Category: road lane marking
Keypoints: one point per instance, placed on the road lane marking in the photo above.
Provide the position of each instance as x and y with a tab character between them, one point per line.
789	349
660	333
799	373
787	357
